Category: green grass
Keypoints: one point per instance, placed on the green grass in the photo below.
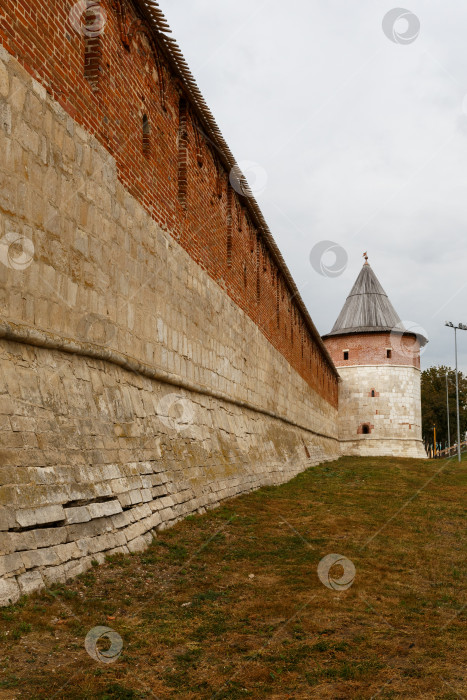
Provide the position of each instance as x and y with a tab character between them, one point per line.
229	604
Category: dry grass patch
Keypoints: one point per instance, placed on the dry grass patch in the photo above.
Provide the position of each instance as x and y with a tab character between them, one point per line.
228	605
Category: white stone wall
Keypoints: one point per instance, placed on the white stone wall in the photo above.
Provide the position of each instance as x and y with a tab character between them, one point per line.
395	413
94	457
104	272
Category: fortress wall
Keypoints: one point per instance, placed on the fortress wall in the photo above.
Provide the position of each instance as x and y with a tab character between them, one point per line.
393	414
133	389
64	190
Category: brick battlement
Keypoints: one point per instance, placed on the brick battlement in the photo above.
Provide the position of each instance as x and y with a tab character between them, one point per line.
126	88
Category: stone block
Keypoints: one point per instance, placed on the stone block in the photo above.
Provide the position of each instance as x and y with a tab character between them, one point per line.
7	518
9	591
142	511
5	118
39	557
39	516
74	568
79	514
101	510
121	519
23	424
30	581
138	529
11	563
7	544
23	540
139	544
4	80
49	536
53	574
68	551
135	496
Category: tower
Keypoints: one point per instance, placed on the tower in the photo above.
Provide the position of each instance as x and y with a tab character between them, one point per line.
378	360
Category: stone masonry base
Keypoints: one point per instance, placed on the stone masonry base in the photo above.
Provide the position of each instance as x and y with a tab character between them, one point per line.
94	458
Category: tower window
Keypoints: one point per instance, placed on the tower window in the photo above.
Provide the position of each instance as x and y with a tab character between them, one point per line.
372	392
365	429
346	354
388	353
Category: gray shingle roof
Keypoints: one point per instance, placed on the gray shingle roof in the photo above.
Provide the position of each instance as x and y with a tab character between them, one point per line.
367	308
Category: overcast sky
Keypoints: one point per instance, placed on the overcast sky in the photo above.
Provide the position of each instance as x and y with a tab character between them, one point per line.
358	140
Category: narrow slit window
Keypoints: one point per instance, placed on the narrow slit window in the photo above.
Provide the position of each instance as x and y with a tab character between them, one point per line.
388	353
183	153
258	278
229	224
373	392
92	47
346	354
146	136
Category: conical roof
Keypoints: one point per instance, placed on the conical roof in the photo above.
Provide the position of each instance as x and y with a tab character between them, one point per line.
367	308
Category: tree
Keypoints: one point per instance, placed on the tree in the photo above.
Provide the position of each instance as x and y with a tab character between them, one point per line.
434	404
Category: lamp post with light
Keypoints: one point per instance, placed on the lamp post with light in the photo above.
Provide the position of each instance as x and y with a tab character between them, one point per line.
461	327
447	410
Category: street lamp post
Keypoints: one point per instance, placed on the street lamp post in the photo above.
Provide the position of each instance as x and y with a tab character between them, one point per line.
447	409
461	327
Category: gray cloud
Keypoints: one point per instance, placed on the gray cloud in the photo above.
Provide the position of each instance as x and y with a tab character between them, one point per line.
364	142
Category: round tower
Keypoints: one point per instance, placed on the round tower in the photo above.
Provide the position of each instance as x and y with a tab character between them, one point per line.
378	360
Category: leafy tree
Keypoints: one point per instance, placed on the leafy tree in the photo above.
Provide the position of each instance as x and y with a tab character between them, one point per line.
434	404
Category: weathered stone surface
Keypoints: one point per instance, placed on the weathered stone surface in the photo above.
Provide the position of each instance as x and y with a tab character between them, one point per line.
139	544
394	415
39	516
106	509
11	563
30	581
9	591
80	514
75	430
4	80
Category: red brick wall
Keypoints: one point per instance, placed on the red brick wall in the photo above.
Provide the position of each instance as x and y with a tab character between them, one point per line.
178	178
370	349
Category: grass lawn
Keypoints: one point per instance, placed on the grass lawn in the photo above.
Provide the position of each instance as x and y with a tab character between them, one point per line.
229	604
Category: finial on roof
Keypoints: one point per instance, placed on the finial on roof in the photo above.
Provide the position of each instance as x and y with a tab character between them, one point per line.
365	255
